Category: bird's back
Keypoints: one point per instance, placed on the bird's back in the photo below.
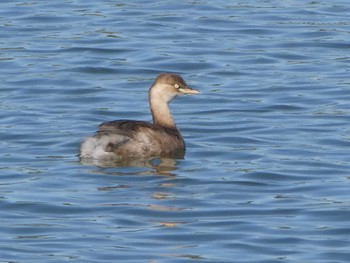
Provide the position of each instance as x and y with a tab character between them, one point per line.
122	139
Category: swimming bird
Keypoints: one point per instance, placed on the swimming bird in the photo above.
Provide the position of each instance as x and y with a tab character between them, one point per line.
129	139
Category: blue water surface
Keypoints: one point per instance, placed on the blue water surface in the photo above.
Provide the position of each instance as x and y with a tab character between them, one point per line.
266	173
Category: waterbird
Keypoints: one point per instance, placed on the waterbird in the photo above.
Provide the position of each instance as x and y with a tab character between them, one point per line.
130	139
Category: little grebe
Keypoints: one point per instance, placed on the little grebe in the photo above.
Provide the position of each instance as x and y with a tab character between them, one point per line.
128	139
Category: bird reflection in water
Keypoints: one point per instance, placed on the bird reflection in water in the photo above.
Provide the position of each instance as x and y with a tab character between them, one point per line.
159	166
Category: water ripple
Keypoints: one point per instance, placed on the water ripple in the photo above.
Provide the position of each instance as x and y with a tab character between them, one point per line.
265	177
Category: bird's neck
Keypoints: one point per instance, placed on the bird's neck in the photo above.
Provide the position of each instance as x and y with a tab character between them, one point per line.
160	112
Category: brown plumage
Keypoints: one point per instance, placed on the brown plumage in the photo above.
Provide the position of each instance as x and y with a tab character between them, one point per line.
128	139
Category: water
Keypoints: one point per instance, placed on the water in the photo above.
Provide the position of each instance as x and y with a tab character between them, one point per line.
266	174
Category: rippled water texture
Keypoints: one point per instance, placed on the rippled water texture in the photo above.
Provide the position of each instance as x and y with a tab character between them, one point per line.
266	173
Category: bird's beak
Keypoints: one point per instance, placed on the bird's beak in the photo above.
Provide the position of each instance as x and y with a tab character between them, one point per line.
188	90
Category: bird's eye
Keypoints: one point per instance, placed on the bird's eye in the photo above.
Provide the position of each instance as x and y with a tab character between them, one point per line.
177	86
